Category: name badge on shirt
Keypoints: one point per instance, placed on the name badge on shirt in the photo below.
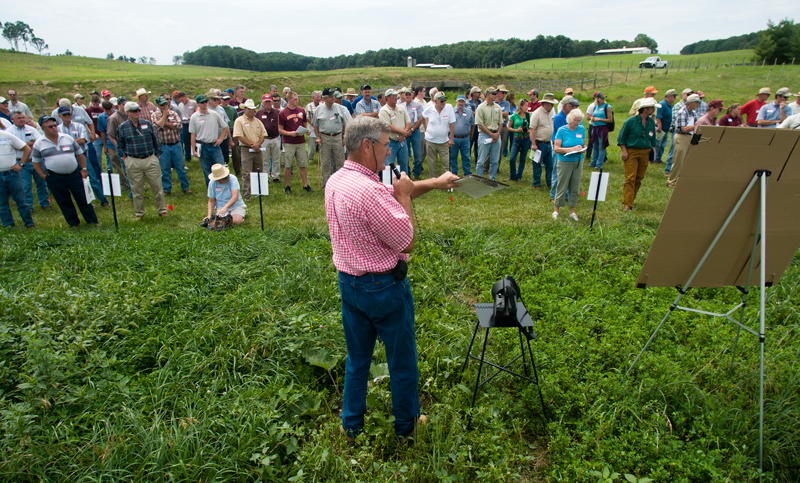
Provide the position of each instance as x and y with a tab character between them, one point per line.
579	136
651	133
247	124
394	117
770	110
3	141
333	117
201	120
143	126
464	114
65	148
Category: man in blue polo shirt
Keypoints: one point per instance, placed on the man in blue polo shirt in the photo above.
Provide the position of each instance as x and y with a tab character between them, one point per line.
774	113
663	122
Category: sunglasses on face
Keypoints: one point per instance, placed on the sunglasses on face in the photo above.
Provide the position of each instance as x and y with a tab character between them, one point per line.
203	102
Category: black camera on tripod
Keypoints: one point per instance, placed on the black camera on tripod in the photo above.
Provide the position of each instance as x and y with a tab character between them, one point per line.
505	293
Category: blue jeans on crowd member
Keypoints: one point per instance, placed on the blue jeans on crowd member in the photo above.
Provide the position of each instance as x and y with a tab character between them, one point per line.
547	161
598	153
554	177
379	305
171	157
660	146
460	145
209	156
94	169
399	155
668	166
186	139
519	147
65	187
414	144
492	151
26	173
98	149
11	185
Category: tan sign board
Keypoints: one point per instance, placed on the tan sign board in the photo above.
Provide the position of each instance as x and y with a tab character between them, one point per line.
715	174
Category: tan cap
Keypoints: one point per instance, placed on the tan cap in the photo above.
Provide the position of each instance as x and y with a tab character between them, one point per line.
693	98
784	92
440	95
474	89
490	90
671	92
764	90
688	91
502	88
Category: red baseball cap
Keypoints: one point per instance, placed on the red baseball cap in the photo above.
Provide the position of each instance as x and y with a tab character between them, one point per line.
700	94
174	94
105	92
716	103
266	97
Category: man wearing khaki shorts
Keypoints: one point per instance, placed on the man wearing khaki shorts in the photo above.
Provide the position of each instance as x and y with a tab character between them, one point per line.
249	133
291	120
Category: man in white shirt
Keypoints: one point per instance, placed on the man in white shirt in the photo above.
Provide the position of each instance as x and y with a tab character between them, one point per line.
439	119
10	180
15	105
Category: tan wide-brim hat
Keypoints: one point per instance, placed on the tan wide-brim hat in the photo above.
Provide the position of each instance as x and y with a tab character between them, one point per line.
218	171
647	102
249	104
502	88
549	98
350	92
141	92
765	90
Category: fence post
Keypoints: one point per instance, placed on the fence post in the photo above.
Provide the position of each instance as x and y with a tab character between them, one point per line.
551	66
582	65
595	65
609	65
612	79
627	71
782	66
768	73
567	65
793	60
594	85
582	83
762	62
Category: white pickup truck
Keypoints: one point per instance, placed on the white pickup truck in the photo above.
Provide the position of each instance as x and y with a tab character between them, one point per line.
653	63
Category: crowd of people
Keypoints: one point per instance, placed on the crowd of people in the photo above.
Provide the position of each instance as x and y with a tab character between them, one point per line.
144	142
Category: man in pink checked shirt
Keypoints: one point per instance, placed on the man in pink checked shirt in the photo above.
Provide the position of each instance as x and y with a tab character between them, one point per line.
372	233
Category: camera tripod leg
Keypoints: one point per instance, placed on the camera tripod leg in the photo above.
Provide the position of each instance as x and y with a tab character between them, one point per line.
469	351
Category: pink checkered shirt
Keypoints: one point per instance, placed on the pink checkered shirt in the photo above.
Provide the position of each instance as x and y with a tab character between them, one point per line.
369	228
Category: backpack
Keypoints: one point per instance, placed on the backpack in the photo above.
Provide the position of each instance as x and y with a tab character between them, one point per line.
612	124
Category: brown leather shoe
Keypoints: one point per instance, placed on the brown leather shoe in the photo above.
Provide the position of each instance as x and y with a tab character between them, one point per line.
163	215
351	441
139	218
626	208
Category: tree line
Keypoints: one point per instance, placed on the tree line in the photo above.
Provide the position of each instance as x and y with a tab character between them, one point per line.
470	54
780	42
16	32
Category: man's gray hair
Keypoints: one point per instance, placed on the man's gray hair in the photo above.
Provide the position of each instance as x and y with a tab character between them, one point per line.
19	111
360	128
574	115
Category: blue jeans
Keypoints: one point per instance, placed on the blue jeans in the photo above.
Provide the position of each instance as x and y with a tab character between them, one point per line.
660	145
598	153
491	151
414	144
668	166
186	139
11	185
548	162
374	305
399	155
209	156
554	177
519	147
26	174
460	145
94	169
65	187
171	157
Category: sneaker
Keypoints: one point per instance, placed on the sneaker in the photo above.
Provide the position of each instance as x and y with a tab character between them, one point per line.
105	205
555	215
308	188
276	180
187	191
626	209
574	216
48	207
288	190
167	193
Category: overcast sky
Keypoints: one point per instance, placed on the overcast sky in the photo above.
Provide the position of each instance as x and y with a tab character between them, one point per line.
164	28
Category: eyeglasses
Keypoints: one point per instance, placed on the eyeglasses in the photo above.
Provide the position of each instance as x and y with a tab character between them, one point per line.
66	114
203	102
382	144
51	126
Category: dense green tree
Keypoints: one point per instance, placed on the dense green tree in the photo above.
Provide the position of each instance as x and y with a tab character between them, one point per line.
643	40
779	43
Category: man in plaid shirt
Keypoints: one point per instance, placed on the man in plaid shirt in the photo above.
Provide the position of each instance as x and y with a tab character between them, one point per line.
372	232
683	122
139	149
167	124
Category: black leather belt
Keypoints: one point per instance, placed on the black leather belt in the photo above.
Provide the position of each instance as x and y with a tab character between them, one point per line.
273	137
543	142
331	135
140	157
492	131
173	144
461	137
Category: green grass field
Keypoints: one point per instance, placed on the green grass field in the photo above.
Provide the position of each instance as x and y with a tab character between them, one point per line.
622	61
163	352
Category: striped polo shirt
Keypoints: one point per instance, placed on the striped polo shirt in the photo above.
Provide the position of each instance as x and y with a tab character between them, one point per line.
58	157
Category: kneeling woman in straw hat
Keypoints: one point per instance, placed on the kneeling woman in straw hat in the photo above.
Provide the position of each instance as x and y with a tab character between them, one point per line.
224	194
569	139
